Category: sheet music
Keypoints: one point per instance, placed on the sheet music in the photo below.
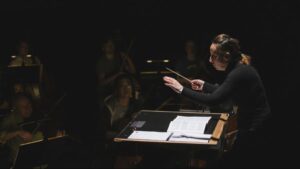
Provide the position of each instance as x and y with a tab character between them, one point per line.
150	135
181	129
185	124
193	118
190	137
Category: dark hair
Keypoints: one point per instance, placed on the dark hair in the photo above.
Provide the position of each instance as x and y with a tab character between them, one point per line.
194	42
107	39
20	96
228	45
124	77
21	41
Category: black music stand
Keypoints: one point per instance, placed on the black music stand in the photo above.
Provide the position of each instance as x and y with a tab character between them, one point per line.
30	155
24	74
40	153
153	120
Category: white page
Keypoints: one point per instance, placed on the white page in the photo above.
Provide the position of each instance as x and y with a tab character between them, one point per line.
188	124
190	137
183	139
185	126
149	135
200	119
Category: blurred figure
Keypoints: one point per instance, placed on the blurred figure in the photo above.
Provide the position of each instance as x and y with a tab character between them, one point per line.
192	66
110	66
122	105
187	65
12	130
23	56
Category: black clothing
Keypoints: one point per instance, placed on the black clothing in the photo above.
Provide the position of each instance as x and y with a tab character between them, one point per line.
244	86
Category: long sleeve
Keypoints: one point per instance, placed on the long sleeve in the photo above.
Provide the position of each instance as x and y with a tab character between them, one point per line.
209	88
218	94
244	86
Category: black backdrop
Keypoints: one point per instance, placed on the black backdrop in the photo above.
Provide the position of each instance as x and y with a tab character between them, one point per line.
66	35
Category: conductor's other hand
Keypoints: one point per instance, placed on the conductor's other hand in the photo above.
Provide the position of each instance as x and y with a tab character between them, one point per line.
26	136
197	84
173	84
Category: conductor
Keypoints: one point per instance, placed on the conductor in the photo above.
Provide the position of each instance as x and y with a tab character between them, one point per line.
244	86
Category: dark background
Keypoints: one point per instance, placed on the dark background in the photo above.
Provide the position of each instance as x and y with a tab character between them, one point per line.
66	35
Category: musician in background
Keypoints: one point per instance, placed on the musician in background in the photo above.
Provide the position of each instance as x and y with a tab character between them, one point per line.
110	65
12	133
24	57
121	105
119	108
191	65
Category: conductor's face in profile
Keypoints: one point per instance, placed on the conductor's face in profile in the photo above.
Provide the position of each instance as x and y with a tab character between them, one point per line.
219	62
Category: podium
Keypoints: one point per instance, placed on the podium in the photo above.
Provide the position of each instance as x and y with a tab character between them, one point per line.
158	121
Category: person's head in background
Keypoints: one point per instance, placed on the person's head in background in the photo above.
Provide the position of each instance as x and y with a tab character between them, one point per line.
108	48
124	88
23	48
191	50
18	88
23	105
225	50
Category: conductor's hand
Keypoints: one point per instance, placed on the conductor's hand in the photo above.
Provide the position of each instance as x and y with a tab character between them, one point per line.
26	136
197	84
173	84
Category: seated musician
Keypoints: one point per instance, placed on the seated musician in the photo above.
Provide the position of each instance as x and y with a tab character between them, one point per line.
121	105
192	65
110	65
12	134
23	56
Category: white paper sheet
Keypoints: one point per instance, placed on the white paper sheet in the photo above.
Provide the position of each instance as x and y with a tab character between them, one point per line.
183	139
190	137
150	135
184	124
201	119
181	129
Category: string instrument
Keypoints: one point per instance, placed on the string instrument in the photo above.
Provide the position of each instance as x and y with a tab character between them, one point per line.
35	126
125	55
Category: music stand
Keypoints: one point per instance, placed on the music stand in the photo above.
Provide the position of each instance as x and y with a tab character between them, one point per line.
29	155
39	153
24	74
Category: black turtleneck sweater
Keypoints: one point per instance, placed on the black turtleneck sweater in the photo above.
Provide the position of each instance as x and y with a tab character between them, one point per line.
244	86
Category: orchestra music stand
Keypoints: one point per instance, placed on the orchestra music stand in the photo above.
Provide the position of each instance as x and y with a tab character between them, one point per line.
24	74
29	155
39	153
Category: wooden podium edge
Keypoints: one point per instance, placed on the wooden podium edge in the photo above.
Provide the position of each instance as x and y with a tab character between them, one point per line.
210	142
213	141
219	127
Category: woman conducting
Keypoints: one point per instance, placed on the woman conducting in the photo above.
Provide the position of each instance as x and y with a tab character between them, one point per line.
244	86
